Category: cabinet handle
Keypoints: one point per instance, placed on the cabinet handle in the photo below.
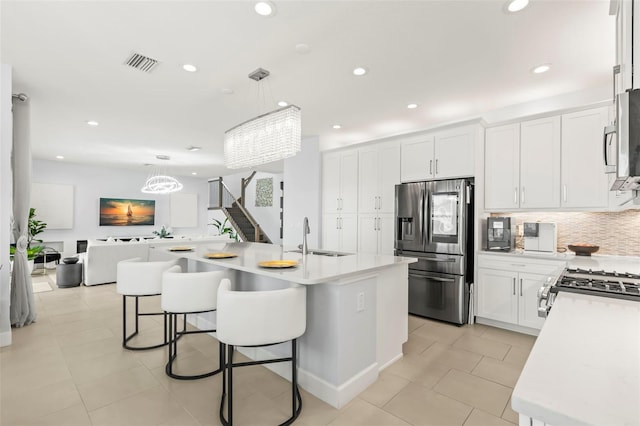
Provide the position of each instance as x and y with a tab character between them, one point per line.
522	265
340	223
515	195
378	224
564	192
514	286
430	167
436	166
337	223
375	224
520	287
523	195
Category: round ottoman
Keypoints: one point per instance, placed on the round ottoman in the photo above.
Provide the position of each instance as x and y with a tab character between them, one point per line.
68	274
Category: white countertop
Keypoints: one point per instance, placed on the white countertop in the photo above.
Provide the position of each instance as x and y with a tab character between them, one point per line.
584	368
315	270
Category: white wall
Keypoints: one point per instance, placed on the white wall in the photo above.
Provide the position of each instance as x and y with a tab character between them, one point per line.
267	217
92	183
302	194
6	132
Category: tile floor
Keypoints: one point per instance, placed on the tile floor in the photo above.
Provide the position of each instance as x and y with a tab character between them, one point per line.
69	369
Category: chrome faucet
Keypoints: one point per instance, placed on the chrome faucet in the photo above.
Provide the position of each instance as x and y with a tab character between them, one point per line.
305	230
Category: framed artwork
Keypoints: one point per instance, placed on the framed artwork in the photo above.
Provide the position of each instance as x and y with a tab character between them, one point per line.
264	192
126	212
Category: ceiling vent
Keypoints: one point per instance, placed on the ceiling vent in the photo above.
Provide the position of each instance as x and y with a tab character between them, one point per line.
141	62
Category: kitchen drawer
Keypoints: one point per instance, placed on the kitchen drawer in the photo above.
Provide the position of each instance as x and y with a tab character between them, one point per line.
517	263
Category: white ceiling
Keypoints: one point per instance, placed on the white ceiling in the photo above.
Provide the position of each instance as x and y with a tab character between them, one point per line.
456	59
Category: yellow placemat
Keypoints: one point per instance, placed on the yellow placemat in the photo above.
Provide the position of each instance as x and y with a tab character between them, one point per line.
219	255
278	263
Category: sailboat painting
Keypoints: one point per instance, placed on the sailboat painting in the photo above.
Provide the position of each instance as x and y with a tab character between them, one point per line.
125	212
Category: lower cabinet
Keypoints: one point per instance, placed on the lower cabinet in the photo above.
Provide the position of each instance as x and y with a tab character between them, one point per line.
507	294
375	233
510	297
340	232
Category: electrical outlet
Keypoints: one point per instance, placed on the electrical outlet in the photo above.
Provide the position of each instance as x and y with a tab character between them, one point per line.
360	302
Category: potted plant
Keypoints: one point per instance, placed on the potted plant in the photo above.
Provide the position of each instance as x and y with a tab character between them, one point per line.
224	228
163	233
35	227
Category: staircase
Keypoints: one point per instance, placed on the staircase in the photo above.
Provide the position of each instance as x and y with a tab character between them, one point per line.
220	198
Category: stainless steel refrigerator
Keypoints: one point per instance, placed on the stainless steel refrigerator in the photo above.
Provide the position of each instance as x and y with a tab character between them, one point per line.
434	222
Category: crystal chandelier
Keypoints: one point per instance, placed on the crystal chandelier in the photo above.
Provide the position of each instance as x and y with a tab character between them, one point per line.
268	137
160	182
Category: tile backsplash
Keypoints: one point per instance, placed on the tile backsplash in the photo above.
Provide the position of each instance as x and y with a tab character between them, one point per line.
617	233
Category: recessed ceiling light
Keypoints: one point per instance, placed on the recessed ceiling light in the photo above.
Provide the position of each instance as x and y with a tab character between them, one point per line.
541	69
163	157
92	123
517	5
282	104
412	106
302	48
189	67
265	8
194	148
337	126
226	91
359	71
60	157
194	173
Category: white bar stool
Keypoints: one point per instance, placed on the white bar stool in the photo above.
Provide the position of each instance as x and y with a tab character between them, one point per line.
188	293
136	279
260	318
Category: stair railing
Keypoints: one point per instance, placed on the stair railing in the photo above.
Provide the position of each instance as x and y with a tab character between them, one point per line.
221	198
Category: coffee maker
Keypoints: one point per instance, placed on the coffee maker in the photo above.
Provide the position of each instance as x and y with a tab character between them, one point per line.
499	234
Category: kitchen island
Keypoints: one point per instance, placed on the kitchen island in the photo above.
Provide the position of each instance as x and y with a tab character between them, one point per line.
356	311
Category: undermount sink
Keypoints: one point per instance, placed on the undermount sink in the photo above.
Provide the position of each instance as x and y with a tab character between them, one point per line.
322	253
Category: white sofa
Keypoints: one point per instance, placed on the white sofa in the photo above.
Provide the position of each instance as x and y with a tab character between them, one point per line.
102	257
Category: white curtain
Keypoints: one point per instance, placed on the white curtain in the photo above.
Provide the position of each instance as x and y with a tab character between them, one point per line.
23	310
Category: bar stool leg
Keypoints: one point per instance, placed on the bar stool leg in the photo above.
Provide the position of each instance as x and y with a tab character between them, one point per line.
230	383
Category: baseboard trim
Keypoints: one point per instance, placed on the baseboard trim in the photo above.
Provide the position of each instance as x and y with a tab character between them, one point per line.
391	361
336	396
5	338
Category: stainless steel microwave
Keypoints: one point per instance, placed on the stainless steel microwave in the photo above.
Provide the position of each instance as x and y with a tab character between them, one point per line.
622	143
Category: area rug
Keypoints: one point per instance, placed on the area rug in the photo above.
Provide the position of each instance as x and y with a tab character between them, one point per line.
39	287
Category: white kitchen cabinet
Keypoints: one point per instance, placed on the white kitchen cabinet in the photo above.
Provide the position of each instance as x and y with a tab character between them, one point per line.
340	182
507	290
502	167
522	165
375	233
416	159
626	76
496	292
442	155
540	163
454	153
584	181
340	232
378	174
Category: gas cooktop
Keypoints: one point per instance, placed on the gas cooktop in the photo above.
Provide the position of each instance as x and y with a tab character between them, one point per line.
602	283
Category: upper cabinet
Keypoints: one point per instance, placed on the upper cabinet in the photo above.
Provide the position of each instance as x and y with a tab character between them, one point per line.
378	174
623	70
340	182
540	163
502	167
443	155
550	163
522	165
584	181
416	159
